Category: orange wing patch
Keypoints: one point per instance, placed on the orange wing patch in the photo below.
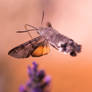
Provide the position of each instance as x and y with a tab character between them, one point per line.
41	50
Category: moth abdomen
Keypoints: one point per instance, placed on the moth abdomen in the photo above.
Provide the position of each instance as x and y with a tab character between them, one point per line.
73	53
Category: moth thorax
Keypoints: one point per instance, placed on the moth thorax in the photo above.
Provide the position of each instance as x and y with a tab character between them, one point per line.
41	30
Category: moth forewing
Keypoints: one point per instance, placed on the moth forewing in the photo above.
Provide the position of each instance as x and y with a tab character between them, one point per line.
27	49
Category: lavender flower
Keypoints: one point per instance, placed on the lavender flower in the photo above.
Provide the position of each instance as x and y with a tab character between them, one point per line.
38	81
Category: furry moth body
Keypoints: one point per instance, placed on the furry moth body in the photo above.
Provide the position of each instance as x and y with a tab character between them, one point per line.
59	41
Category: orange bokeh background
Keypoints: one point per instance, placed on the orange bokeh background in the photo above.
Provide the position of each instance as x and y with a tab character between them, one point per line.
72	18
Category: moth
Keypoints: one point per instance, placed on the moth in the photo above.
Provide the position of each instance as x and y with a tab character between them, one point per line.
40	45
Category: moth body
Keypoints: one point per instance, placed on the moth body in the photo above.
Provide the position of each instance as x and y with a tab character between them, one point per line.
59	41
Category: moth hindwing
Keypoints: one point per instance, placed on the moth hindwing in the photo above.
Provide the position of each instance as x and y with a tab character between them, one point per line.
35	47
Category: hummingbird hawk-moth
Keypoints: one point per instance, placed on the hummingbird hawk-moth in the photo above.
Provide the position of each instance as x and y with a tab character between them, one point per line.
40	45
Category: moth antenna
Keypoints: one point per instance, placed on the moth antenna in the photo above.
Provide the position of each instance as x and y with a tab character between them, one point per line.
42	16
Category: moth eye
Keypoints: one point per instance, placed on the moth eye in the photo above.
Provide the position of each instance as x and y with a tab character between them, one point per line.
49	24
73	53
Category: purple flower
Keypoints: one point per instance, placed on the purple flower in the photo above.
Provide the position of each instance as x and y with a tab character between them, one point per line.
38	81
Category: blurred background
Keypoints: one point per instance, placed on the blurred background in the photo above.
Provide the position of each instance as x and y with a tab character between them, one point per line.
72	18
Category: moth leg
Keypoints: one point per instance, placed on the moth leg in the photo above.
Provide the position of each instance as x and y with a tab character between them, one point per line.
34	28
27	30
24	31
26	25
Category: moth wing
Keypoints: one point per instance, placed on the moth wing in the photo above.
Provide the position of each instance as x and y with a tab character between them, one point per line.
22	51
26	49
42	49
